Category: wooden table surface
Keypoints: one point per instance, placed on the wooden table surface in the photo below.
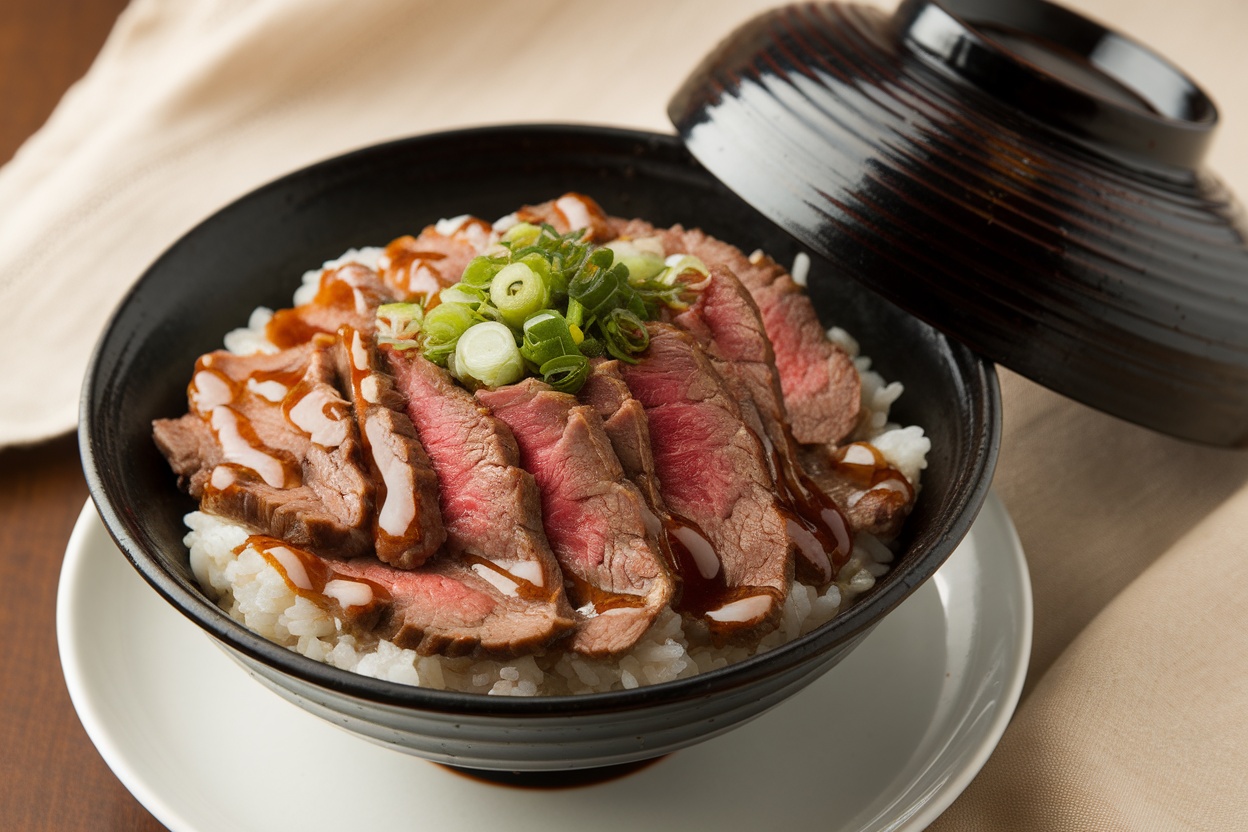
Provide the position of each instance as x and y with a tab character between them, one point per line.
51	777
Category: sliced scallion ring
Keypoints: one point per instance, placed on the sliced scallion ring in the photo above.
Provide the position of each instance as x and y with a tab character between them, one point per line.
566	373
486	355
521	234
463	293
546	337
443	326
480	271
625	335
399	321
518	291
642	263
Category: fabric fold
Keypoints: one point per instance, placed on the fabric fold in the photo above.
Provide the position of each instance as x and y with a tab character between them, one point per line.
1139	723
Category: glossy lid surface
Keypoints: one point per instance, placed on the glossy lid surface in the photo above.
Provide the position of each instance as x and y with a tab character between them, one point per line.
1023	178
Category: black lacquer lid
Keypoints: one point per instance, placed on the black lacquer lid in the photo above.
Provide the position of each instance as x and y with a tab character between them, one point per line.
1023	178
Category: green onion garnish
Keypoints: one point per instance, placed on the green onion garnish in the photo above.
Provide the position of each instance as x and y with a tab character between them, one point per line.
547	336
480	271
521	234
444	324
566	373
625	335
463	293
643	263
486	355
518	291
399	322
546	303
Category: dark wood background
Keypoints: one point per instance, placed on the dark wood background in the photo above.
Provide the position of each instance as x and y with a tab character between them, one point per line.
51	777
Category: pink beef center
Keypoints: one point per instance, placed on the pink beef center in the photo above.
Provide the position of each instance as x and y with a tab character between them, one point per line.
803	371
690	460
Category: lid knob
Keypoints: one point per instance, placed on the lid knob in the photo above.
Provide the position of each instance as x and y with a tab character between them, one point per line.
1068	72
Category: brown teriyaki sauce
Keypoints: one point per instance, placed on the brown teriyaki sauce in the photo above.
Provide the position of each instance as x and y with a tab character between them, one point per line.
318	573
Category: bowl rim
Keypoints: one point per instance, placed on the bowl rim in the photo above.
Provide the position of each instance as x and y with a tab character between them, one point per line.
978	374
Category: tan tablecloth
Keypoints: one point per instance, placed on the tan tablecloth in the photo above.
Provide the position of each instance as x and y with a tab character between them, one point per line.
1134	712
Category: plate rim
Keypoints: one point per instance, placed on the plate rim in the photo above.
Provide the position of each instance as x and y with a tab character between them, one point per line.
90	531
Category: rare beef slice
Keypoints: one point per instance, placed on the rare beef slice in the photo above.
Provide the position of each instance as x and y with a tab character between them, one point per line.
452	607
726	323
613	569
822	391
712	469
491	507
270	443
407	525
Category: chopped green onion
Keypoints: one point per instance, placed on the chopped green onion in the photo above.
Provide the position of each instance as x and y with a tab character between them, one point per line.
521	234
399	321
555	282
591	347
480	271
547	336
684	268
625	335
518	292
486	355
642	260
576	312
462	293
678	285
444	324
566	373
569	300
601	287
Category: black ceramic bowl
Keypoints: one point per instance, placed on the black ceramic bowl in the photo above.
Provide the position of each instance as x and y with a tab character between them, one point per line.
253	252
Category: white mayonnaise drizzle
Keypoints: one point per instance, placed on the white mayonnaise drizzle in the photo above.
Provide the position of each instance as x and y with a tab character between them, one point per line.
399	507
291	565
312	415
210	389
501	582
238	450
742	610
349	593
703	555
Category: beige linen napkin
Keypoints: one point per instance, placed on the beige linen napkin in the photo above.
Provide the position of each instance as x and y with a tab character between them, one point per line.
1133	715
192	103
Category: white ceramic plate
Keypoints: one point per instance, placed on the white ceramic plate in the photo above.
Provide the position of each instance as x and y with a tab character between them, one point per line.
885	741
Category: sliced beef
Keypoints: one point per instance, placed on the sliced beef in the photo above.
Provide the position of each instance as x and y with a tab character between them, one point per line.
570	212
358	604
451	607
421	265
686	549
727	324
445	607
270	443
490	505
295	515
624	420
191	449
713	470
821	387
613	570
348	294
875	496
407	525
